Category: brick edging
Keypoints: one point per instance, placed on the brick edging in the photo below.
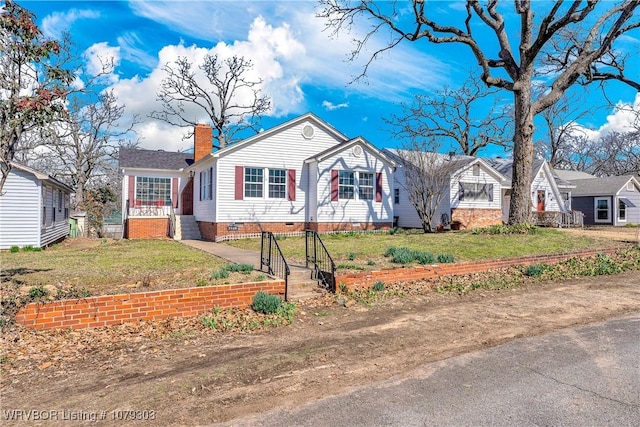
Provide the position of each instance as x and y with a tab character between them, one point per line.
406	274
108	310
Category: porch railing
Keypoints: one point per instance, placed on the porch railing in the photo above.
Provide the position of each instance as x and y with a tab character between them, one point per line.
272	261
558	219
317	255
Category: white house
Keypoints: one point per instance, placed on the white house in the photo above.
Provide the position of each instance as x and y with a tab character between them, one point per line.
472	197
302	174
34	209
548	193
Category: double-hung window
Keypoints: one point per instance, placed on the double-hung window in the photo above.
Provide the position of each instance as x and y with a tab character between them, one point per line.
277	183
206	184
365	185
346	185
602	209
253	182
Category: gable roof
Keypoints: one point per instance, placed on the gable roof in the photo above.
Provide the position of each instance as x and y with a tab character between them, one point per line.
505	167
606	186
42	176
274	130
323	155
154	159
458	162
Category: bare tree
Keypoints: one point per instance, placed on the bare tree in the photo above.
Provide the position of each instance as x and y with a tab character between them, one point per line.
82	148
563	134
452	114
425	177
221	89
32	84
615	154
571	43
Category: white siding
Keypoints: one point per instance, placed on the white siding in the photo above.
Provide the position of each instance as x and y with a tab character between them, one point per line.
633	213
204	210
406	213
354	210
541	183
484	177
20	210
57	224
287	149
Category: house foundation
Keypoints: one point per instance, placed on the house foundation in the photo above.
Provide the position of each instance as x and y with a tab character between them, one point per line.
475	218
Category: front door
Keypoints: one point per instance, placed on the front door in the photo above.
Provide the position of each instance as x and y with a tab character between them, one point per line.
540	200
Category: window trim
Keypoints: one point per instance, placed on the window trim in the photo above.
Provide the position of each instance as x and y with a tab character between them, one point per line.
371	187
595	210
342	187
139	196
258	184
463	197
622	207
283	185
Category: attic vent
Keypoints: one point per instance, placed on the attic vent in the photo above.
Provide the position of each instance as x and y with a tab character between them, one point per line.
357	151
308	131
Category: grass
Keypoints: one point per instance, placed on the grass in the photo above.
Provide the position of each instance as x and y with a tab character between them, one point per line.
113	266
366	251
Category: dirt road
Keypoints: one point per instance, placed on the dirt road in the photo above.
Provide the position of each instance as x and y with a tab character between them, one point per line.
186	378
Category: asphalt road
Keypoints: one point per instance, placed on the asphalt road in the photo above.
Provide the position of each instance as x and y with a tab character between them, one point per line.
585	376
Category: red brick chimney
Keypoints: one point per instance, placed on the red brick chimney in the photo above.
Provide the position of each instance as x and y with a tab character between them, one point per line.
202	141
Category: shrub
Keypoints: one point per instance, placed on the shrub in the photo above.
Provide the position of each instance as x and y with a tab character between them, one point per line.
371	262
15	249
423	257
238	268
220	274
287	310
445	258
378	286
536	270
507	229
351	256
37	293
266	303
31	248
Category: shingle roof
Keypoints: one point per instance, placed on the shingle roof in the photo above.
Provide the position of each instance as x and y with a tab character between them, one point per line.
154	159
571	175
599	186
505	167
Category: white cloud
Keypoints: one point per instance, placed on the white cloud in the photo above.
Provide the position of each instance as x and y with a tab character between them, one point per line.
133	49
624	118
330	106
58	22
102	59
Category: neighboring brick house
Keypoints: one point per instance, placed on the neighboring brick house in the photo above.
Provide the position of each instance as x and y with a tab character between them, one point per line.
471	199
298	175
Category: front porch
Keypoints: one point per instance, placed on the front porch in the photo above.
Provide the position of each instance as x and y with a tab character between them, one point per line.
570	219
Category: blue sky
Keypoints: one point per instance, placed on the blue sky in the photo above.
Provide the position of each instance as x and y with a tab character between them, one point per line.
304	68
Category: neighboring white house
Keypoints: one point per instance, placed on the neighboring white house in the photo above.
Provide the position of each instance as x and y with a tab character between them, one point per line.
548	193
471	199
302	174
34	209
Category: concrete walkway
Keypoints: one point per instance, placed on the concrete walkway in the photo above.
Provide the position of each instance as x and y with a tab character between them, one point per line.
226	252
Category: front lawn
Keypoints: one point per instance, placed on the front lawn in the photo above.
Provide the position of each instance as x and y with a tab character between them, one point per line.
102	266
366	251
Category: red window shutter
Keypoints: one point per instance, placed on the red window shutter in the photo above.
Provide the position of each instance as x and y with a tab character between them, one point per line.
334	184
239	185
291	184
132	190
379	187
174	191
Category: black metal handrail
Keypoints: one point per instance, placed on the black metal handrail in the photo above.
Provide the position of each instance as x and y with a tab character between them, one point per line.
324	269
271	257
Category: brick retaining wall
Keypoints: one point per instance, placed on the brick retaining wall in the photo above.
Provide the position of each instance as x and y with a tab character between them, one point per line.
406	274
107	310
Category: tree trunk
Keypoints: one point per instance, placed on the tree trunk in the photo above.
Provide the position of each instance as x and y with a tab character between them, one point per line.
520	208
